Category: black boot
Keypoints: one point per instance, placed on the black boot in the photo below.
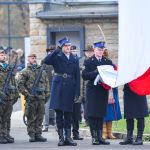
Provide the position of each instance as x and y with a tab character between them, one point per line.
77	137
100	138
68	140
2	139
139	137
61	138
40	138
9	140
32	137
129	139
94	137
10	136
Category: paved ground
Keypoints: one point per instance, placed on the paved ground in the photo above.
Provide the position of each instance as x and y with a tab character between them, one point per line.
21	140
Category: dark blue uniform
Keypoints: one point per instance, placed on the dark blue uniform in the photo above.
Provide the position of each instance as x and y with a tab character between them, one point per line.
65	86
135	107
66	80
96	98
96	95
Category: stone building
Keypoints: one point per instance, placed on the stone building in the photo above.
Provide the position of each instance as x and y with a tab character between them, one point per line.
50	20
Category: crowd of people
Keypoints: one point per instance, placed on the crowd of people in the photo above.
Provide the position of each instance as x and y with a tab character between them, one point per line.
66	88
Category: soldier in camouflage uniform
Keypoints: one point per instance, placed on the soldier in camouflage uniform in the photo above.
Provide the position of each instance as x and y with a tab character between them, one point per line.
9	99
34	112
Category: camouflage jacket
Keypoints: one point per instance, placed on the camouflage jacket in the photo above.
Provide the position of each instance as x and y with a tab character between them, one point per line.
49	70
12	93
26	80
83	83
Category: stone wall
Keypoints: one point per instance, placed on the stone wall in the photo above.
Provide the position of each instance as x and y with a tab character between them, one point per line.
92	32
37	31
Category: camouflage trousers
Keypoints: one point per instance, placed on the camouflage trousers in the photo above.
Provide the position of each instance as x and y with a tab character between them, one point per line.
35	114
5	117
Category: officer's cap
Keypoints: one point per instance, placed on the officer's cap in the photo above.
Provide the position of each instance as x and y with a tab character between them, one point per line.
99	44
64	41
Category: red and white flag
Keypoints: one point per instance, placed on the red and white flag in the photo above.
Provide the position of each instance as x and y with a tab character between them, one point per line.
134	46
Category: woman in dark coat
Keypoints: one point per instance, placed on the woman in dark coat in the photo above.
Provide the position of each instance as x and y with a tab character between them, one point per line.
65	87
96	95
135	107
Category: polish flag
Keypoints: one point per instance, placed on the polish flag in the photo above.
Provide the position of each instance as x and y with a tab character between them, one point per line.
141	85
134	45
134	48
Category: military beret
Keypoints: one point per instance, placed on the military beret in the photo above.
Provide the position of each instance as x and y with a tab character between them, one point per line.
73	47
32	55
88	48
51	48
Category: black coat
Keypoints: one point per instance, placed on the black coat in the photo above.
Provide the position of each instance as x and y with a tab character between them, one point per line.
135	106
96	96
64	90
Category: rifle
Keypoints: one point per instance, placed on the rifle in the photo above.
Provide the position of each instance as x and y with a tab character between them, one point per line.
35	88
6	86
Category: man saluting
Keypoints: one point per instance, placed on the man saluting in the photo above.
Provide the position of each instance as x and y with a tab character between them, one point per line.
65	87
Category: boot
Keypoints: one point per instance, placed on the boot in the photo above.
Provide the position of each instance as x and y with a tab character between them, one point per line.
104	131
139	137
94	137
109	130
2	139
61	138
9	140
129	139
68	139
32	137
40	138
77	137
100	139
10	136
45	129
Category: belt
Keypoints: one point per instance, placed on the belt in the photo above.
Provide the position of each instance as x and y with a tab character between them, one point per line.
64	75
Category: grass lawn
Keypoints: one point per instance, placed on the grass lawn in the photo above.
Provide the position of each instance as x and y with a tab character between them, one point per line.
121	126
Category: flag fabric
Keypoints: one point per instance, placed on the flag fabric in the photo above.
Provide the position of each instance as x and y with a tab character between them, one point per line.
134	47
141	85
